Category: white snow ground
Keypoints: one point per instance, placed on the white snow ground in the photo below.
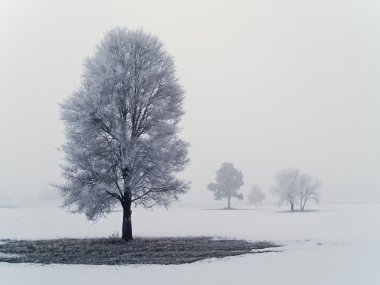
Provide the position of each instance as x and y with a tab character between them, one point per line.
339	244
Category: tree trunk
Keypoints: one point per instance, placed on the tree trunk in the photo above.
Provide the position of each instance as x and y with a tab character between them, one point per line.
229	202
303	206
291	207
127	222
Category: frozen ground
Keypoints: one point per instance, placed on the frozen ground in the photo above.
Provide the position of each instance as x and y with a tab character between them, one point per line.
339	244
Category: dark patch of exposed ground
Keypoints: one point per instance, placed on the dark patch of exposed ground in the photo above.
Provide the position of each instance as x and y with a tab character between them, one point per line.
114	251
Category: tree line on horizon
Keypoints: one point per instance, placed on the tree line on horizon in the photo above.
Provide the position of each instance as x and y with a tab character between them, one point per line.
292	187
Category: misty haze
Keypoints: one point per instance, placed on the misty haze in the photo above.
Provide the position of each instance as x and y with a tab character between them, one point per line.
228	141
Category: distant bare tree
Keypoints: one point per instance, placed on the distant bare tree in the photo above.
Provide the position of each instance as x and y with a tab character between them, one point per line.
286	188
228	182
255	195
294	188
307	190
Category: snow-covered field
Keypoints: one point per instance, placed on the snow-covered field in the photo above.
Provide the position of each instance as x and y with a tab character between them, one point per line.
338	244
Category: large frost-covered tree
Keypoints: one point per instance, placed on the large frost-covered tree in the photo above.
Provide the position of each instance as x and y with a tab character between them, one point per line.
228	182
122	145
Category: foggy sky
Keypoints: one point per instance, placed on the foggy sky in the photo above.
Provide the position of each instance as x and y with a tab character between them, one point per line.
269	85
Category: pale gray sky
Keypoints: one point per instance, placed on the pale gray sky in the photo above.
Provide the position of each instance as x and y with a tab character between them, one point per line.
270	84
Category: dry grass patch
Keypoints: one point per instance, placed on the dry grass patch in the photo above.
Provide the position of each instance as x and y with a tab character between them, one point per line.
112	251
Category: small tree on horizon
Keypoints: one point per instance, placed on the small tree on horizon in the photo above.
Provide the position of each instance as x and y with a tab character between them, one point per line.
255	195
307	190
122	145
286	188
228	182
296	188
